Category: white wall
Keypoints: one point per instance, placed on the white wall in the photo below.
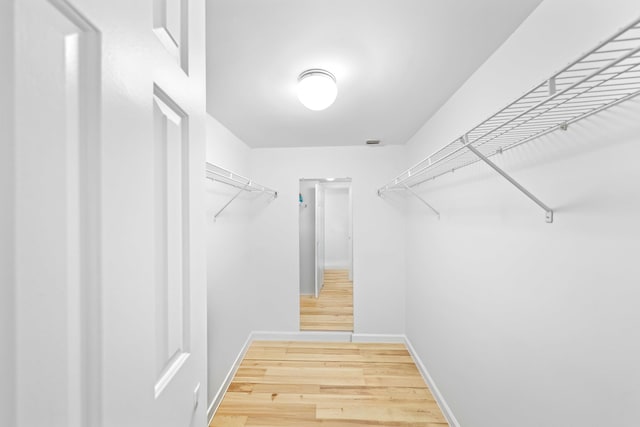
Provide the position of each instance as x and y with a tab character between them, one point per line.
230	297
379	263
520	322
336	228
7	297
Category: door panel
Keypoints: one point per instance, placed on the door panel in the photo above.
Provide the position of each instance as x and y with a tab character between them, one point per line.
350	243
171	25
177	156
109	157
307	241
56	249
319	238
173	307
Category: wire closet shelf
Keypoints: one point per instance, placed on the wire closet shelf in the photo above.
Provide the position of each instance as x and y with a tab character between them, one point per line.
219	174
605	76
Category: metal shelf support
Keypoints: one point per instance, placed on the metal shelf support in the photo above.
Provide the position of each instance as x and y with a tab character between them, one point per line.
224	176
422	200
547	209
229	202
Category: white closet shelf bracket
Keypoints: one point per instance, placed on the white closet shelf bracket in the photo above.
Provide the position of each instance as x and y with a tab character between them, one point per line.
229	202
606	76
219	174
417	196
547	209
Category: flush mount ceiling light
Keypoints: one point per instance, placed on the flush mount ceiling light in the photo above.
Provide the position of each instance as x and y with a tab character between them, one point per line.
317	89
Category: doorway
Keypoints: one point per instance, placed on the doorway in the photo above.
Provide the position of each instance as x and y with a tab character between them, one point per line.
326	254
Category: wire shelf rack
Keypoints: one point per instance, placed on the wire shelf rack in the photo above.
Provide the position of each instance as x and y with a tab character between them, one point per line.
605	76
219	174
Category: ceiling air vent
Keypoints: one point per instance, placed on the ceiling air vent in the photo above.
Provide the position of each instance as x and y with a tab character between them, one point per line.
373	142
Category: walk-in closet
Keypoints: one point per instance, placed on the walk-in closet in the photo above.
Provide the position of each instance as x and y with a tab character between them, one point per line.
242	213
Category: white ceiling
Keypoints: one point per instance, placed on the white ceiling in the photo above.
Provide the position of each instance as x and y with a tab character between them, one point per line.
396	62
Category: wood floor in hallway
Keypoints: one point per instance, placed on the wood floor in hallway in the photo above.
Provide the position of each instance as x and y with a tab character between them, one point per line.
333	309
328	384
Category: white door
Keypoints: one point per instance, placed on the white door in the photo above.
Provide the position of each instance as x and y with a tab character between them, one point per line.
109	157
350	237
319	239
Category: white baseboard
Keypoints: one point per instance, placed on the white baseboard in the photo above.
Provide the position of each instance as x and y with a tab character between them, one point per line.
380	338
227	380
446	411
302	336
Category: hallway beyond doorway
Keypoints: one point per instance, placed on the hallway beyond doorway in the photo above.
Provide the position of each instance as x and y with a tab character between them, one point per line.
333	309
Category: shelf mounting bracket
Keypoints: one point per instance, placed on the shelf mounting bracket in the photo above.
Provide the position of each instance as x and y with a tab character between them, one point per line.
474	150
232	199
410	190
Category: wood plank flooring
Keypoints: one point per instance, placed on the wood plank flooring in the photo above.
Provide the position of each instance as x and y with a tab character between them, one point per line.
328	384
333	309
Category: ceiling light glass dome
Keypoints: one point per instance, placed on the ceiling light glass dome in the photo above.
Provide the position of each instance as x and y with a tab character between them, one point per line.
317	89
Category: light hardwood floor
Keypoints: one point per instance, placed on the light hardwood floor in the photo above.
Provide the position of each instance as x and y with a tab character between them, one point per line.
333	309
329	384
